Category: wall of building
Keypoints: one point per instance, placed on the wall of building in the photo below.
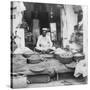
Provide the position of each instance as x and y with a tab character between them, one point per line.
85	31
69	20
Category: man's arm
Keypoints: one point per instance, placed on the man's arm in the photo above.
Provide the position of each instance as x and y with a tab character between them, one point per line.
38	42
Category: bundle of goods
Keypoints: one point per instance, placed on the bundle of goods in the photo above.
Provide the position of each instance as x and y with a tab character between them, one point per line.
65	58
17	57
78	56
38	78
27	54
18	82
22	50
34	59
59	51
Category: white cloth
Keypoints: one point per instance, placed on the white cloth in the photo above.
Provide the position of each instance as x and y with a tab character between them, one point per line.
19	6
20	40
44	43
81	68
75	47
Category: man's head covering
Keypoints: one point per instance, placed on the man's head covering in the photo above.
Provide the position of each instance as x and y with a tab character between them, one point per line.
44	29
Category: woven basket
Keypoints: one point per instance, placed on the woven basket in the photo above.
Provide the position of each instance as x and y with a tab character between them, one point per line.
64	60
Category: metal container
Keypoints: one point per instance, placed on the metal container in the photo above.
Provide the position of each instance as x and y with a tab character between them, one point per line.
34	59
38	78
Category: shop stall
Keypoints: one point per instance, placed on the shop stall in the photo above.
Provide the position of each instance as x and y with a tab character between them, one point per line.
65	29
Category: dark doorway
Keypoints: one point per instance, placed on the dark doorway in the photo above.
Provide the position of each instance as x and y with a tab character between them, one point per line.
41	11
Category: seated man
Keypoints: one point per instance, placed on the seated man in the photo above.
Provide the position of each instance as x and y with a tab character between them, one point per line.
44	42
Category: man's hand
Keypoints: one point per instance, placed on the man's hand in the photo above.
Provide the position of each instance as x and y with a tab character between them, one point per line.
48	50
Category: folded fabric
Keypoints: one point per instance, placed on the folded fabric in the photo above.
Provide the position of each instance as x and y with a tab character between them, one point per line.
35	57
45	48
18	58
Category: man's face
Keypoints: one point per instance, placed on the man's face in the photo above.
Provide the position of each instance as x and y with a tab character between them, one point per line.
44	33
75	31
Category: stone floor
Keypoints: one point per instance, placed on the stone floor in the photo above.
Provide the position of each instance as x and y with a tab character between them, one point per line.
63	80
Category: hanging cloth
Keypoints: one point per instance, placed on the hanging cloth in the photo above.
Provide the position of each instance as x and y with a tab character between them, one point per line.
36	30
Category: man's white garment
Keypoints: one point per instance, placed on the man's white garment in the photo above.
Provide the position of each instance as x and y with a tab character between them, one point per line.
44	43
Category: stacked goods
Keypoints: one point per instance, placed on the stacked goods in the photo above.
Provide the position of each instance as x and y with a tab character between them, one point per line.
34	59
23	50
27	54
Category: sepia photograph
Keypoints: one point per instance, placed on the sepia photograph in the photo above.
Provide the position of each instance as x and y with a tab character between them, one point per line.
48	44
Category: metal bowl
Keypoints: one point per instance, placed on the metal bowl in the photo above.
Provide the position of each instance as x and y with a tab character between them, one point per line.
78	57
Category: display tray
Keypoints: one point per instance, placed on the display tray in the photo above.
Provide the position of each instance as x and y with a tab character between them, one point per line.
38	68
47	56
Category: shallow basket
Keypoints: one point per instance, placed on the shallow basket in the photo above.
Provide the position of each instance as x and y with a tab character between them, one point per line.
78	58
29	61
34	59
